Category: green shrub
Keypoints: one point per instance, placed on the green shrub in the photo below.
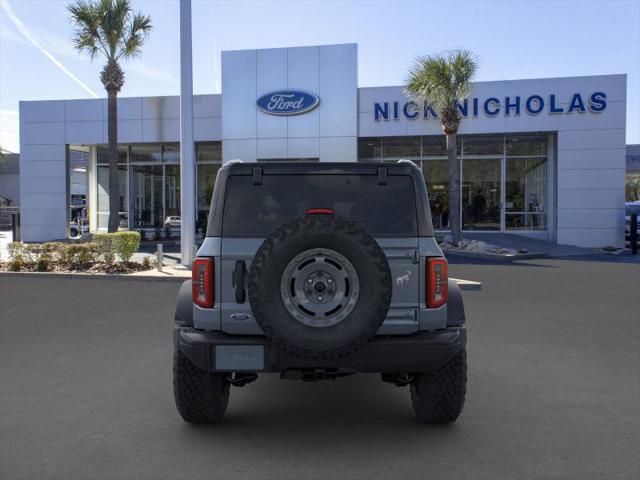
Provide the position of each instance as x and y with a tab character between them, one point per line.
76	256
126	244
16	263
87	254
147	263
44	263
105	246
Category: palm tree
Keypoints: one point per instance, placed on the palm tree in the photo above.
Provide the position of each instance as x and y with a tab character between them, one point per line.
443	81
110	28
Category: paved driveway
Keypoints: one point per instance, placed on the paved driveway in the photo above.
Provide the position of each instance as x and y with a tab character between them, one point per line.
85	390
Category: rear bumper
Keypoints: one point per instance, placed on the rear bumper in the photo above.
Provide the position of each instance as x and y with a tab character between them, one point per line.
219	352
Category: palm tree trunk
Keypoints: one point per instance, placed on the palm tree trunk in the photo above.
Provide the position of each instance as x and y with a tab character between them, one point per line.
454	189
114	192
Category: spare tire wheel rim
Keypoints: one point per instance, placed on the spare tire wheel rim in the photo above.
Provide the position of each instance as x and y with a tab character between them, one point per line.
320	287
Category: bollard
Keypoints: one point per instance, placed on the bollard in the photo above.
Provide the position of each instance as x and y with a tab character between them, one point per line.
633	233
159	257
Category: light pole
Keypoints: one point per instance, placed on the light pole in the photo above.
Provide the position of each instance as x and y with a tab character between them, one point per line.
187	147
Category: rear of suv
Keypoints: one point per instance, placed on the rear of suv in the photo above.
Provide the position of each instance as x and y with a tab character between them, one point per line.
317	271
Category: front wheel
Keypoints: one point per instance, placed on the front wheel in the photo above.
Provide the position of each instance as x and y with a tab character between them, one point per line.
438	397
201	397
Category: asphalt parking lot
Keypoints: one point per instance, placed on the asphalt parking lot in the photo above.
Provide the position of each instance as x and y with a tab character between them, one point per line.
554	389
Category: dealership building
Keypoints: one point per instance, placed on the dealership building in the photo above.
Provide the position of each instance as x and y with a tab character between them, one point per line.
543	158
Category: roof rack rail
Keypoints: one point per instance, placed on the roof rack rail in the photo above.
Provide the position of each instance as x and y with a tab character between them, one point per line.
235	160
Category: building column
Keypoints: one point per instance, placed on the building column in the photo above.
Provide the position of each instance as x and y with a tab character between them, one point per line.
187	147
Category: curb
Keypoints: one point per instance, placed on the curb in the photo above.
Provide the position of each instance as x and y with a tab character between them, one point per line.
497	257
97	276
466	285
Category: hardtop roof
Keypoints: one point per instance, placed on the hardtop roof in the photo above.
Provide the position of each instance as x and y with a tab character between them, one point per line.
333	168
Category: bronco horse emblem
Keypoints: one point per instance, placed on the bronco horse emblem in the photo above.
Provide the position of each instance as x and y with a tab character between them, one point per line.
402	280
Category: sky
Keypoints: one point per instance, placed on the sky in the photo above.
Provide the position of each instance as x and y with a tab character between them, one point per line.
513	40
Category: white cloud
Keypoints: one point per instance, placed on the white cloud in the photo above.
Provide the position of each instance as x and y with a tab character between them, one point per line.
9	127
152	73
26	33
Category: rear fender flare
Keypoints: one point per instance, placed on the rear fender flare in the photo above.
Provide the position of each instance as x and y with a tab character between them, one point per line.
455	306
184	306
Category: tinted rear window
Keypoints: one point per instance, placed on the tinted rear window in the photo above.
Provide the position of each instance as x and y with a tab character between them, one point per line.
257	210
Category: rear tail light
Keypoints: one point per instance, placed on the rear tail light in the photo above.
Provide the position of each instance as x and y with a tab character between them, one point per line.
202	282
437	282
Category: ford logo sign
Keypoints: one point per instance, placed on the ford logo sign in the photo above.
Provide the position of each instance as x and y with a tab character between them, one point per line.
287	102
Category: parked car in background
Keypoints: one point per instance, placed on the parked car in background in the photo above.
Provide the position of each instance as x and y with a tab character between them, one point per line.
629	209
172	222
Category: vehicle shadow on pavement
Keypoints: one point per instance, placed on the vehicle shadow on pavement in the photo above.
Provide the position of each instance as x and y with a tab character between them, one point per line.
349	407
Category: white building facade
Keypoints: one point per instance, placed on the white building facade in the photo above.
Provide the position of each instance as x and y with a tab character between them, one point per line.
541	157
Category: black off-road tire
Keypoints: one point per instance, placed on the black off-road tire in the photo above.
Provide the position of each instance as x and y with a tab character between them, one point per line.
201	397
320	232
438	397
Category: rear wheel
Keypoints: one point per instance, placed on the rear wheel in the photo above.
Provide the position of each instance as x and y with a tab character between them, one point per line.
438	397
201	397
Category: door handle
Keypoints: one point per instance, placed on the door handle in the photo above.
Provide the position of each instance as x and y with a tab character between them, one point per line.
238	281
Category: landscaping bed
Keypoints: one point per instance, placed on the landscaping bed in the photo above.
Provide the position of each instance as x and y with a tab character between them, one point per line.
483	250
108	253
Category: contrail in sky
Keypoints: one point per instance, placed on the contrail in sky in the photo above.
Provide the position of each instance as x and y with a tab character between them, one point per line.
24	30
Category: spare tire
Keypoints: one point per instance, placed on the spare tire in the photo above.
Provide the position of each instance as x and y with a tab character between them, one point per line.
320	286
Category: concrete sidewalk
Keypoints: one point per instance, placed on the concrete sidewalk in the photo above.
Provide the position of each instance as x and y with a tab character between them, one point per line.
517	242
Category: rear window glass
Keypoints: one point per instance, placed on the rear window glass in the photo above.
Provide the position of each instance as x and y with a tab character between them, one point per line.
257	210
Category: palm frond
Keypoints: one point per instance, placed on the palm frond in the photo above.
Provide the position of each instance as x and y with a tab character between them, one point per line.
139	29
442	80
108	27
86	18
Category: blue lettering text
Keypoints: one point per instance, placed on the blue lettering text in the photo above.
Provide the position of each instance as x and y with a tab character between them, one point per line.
598	102
536	100
492	101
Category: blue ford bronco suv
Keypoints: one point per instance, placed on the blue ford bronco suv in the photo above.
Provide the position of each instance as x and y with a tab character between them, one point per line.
318	271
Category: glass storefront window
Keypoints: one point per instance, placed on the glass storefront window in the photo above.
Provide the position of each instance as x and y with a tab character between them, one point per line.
172	190
146	152
150	184
525	221
436	146
482	145
102	154
209	152
524	179
369	149
526	193
435	174
171	153
395	148
526	145
78	164
146	195
481	194
103	195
